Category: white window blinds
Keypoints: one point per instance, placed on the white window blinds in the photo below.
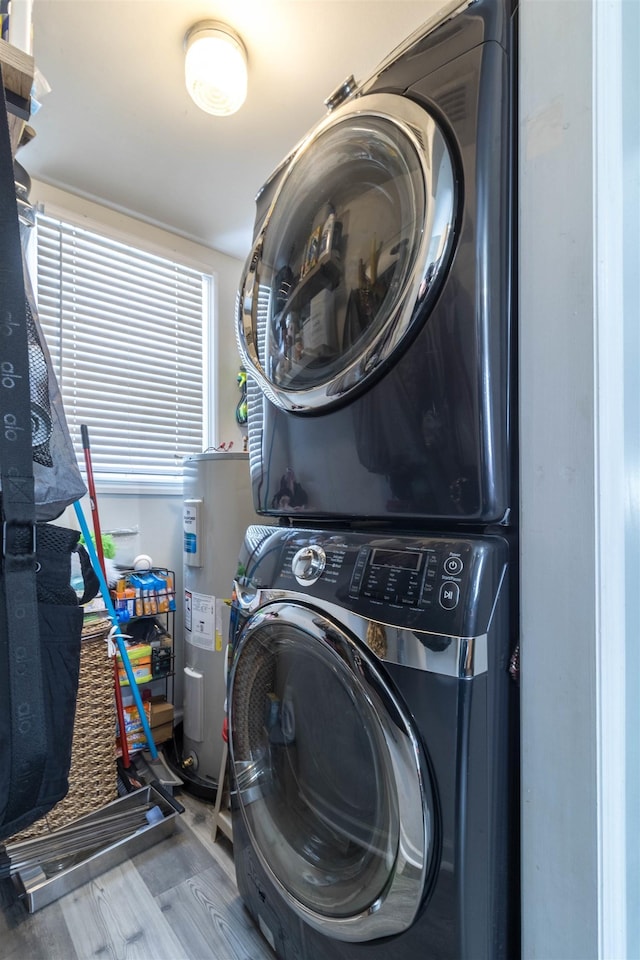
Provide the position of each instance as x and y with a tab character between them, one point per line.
125	330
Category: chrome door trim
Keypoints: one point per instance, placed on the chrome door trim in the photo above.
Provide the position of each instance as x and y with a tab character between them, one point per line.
396	907
419	129
448	656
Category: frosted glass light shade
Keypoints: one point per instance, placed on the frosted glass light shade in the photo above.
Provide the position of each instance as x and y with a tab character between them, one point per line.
215	68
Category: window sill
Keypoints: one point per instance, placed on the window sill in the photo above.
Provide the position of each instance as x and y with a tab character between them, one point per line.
134	488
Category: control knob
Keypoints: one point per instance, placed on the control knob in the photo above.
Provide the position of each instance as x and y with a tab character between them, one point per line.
308	564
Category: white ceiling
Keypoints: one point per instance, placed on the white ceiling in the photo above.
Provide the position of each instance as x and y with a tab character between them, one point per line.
119	127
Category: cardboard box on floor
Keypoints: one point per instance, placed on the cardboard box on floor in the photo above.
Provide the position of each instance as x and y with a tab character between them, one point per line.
161	712
162	733
161	720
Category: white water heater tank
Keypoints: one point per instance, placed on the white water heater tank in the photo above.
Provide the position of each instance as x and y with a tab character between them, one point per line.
218	508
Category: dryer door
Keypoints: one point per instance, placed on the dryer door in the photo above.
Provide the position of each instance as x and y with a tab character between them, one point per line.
352	253
331	780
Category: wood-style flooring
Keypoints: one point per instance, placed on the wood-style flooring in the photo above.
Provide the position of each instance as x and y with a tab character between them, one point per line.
175	901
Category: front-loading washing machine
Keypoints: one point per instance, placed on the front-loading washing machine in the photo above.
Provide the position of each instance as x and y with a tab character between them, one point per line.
373	776
374	313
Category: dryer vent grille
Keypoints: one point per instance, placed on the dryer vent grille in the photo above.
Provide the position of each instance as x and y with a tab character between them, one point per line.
454	103
256	418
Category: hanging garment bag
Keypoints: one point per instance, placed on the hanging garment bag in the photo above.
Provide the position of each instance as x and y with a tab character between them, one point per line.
40	614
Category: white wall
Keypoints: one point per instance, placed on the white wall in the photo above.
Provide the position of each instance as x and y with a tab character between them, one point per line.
576	736
631	308
157	518
559	825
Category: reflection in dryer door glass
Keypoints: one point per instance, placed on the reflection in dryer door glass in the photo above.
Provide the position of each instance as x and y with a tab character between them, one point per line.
340	244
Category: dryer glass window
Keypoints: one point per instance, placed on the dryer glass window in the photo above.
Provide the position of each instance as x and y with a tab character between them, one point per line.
313	772
357	236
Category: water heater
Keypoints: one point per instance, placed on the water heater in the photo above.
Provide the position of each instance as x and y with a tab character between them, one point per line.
218	508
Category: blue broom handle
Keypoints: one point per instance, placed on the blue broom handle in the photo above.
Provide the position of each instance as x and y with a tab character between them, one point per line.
122	649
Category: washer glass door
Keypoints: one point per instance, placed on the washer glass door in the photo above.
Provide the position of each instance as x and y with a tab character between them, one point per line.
329	775
353	251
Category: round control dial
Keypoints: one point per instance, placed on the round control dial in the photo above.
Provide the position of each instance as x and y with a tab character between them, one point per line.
308	564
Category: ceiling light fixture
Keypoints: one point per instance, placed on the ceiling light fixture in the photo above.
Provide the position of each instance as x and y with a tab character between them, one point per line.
215	68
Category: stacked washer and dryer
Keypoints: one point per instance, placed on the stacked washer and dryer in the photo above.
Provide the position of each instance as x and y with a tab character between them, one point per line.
373	720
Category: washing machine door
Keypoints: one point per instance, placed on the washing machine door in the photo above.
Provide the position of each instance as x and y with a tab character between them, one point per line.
351	255
331	780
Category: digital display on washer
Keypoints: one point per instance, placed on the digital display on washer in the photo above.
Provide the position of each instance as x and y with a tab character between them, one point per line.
396	558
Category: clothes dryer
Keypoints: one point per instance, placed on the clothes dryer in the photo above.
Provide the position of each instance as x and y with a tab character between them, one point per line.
374	311
373	778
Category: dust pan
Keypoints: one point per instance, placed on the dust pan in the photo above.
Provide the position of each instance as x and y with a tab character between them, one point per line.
157	770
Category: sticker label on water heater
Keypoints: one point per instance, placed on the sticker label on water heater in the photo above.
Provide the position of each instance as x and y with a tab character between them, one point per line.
191	532
203	621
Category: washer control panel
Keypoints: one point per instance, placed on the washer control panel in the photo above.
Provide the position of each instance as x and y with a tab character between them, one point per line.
433	583
412	577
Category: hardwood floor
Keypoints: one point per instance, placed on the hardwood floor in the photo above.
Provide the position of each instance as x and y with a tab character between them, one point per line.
175	901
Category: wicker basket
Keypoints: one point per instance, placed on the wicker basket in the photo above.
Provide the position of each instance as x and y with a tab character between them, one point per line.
93	773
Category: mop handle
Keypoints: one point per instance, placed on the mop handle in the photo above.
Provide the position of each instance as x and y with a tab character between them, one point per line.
122	649
93	499
86	448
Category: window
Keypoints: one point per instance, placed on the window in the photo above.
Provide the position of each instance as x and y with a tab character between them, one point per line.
127	332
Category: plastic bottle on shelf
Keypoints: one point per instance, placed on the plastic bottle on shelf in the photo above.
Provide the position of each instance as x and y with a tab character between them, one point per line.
330	235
